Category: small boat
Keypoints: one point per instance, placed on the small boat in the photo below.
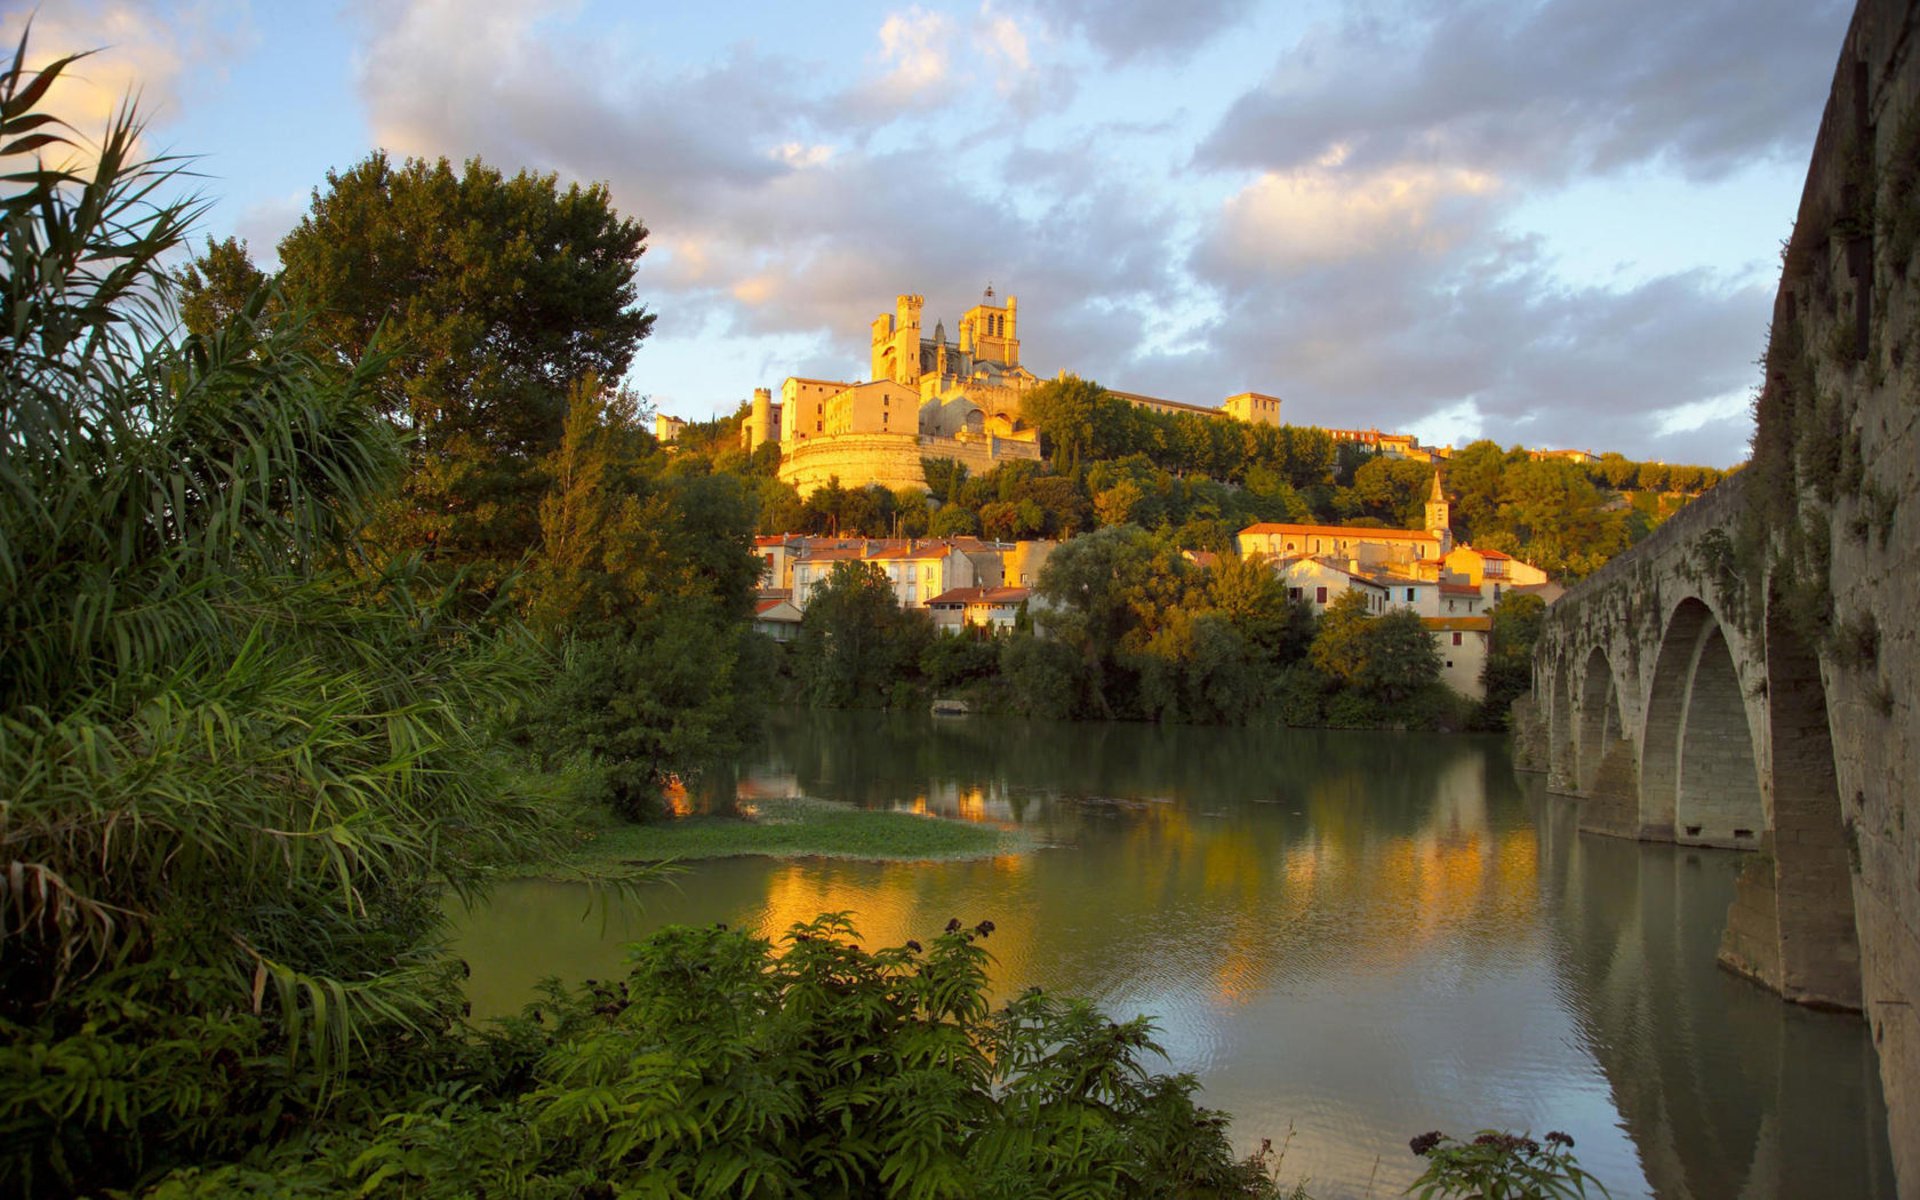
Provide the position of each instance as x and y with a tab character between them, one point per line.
950	708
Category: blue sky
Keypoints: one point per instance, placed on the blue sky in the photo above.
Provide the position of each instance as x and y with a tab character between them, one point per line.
1552	222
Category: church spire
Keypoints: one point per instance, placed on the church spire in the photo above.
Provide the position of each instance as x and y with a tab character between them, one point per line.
1440	516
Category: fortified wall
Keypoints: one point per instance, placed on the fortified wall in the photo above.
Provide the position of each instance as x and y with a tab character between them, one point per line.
891	460
1749	676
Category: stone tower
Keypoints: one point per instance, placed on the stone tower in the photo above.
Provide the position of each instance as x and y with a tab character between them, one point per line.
990	330
1440	516
759	425
896	341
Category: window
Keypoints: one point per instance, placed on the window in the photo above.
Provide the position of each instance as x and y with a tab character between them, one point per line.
1293	593
1456	641
1449	606
1409	595
1449	664
1319	595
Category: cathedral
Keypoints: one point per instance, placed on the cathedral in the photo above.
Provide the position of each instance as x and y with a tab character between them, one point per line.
927	397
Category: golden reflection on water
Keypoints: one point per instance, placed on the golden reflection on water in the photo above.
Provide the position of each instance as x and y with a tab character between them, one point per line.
1358	938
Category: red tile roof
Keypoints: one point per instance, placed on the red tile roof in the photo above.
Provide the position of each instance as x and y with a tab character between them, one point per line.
1345	531
982	595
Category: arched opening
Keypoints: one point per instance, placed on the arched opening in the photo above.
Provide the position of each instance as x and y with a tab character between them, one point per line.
1813	877
1718	802
1666	712
1608	773
1599	718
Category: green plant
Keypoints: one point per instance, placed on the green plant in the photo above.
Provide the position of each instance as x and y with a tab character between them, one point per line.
720	1067
1499	1166
240	760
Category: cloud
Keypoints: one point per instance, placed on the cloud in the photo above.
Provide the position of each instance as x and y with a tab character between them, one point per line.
1546	89
1133	31
772	211
917	48
1364	272
1488	331
153	53
1322	215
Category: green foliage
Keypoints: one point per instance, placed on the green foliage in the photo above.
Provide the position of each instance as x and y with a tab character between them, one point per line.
216	286
642	582
1042	676
855	643
1386	658
719	1067
240	760
1508	672
955	658
494	296
1500	1166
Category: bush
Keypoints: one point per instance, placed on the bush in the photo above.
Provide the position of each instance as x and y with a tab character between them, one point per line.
1499	1166
722	1068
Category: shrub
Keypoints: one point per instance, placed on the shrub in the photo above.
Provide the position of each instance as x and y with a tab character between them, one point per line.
722	1068
1499	1166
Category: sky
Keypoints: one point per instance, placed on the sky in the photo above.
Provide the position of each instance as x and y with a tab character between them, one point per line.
1548	222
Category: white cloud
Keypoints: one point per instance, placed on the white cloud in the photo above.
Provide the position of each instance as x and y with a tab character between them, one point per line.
916	48
152	53
1318	215
1003	39
800	156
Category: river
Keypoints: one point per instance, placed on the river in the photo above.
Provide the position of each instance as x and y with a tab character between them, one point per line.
1349	938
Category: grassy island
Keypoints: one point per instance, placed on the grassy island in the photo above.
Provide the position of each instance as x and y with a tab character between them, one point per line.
800	827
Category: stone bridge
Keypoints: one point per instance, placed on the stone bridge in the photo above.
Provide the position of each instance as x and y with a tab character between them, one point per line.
1747	677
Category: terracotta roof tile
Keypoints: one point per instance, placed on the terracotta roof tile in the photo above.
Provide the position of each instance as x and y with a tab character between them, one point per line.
1346	531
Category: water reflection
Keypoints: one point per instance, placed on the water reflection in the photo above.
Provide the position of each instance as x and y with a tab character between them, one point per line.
1725	1090
1357	937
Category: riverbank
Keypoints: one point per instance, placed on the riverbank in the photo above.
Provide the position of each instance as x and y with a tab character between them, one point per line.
795	827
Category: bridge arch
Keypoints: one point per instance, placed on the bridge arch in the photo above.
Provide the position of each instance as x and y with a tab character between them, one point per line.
1606	768
1599	718
1700	775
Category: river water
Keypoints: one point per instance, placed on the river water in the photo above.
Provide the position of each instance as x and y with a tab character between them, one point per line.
1349	938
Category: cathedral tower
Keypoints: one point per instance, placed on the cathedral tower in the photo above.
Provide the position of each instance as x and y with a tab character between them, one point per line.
989	330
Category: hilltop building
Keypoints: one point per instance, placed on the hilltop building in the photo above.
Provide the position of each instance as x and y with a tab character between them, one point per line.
927	396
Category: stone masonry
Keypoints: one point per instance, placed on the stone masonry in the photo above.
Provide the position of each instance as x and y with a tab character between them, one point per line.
1749	676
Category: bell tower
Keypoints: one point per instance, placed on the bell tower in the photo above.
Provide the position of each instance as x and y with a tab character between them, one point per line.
1440	516
990	330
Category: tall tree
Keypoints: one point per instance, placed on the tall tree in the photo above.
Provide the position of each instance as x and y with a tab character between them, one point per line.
493	296
1064	411
854	637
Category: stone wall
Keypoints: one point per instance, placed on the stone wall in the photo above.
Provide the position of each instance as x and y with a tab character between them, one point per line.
1764	643
1851	301
891	460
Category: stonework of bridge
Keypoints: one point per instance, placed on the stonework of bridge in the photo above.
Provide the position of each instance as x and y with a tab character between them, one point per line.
1748	677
